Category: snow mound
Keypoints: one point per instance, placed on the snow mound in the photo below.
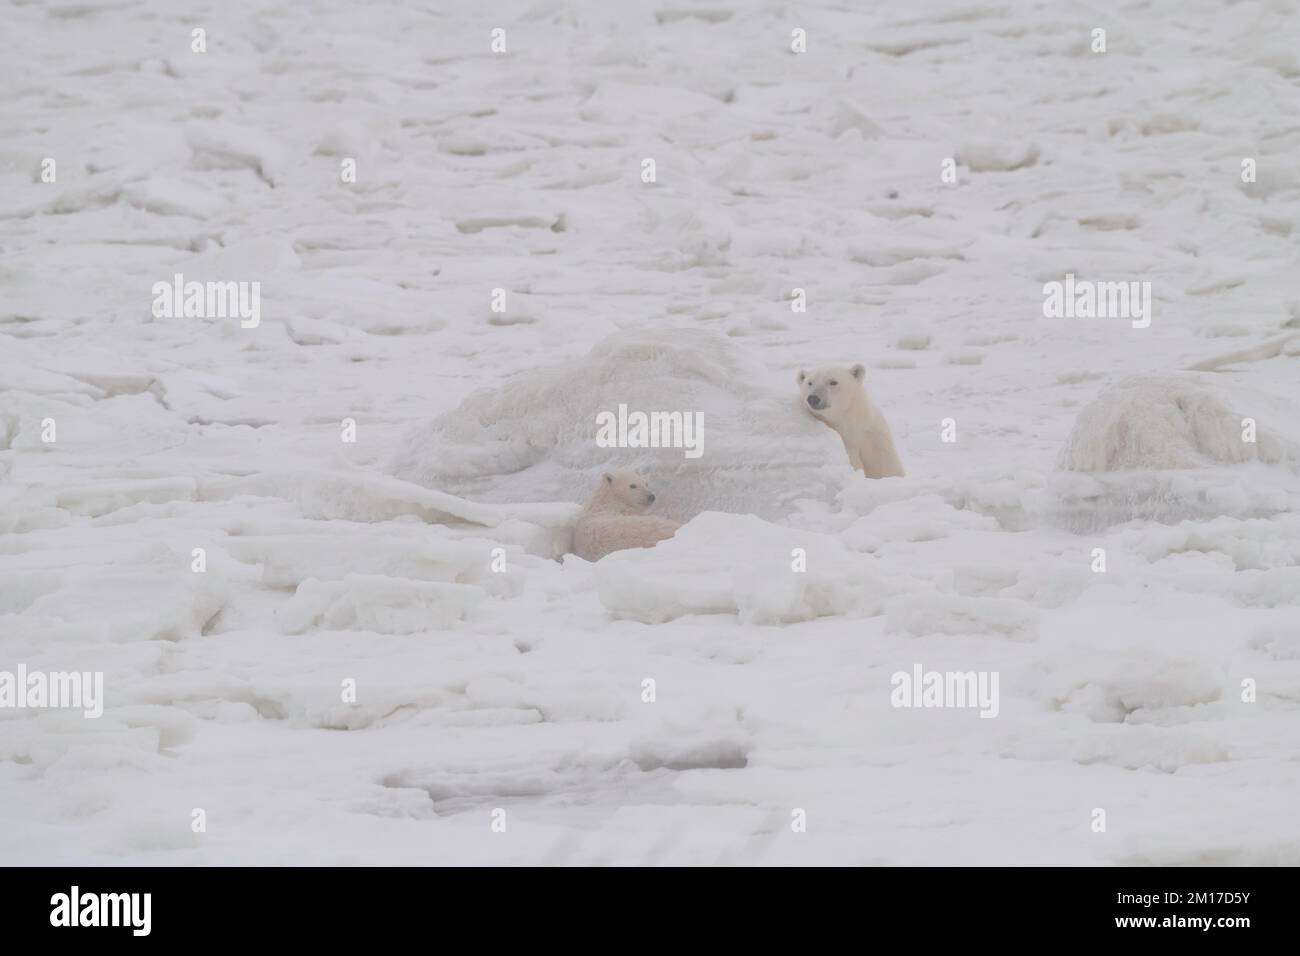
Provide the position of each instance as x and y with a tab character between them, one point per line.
534	438
997	156
696	572
1169	448
1150	422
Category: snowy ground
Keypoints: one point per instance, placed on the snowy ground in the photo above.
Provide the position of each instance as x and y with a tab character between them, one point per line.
521	690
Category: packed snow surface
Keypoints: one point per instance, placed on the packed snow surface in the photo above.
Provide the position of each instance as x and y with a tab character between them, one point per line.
385	645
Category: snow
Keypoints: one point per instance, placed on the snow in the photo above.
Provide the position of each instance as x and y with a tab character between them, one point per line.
1155	447
695	572
533	436
425	563
1151	422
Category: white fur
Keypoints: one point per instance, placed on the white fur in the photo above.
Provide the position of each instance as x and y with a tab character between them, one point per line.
615	518
842	403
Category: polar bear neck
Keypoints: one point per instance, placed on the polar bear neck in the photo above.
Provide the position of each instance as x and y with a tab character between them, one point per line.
861	400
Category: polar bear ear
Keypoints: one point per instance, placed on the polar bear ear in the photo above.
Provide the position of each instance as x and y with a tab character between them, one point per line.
802	375
858	372
609	479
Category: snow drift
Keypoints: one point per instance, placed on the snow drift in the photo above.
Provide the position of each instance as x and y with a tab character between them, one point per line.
534	438
1150	422
1175	447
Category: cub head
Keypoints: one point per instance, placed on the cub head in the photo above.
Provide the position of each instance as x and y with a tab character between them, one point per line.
829	390
627	489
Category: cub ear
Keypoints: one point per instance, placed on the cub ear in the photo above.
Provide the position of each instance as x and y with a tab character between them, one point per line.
802	375
858	372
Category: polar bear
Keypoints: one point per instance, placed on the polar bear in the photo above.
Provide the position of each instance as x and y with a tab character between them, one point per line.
836	396
615	518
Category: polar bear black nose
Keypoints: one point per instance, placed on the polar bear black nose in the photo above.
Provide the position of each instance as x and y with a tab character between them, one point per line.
814	401
652	499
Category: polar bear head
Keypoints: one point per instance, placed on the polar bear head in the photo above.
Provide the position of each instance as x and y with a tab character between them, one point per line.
829	392
622	491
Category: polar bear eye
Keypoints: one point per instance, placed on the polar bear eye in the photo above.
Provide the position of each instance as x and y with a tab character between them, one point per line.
833	382
631	486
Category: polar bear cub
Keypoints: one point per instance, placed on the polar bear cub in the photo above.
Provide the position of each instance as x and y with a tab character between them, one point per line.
837	396
615	518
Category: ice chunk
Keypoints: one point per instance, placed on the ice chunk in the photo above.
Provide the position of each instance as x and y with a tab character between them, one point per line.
369	602
696	572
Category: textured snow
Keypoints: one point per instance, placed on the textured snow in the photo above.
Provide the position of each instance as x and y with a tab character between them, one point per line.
1157	446
1169	423
519	685
695	572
